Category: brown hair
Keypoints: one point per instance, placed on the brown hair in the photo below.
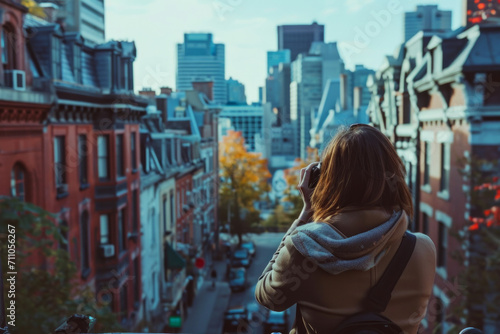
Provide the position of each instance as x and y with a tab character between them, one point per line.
360	168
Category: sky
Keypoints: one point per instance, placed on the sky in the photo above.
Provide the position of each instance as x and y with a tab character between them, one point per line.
366	31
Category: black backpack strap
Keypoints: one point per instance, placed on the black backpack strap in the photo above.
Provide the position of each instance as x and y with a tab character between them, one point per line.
380	294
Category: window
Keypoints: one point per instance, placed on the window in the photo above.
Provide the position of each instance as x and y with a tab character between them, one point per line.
8	43
410	176
120	166
445	166
4	45
153	225
178	205
124	301
137	283
171	209
56	58
63	227
103	157
133	149
104	229
18	182
153	280
121	230
427	162
425	223
165	213
124	74
82	159
442	245
135	220
85	247
77	63
60	164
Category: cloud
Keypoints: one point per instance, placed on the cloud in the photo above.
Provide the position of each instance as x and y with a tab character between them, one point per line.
329	11
356	5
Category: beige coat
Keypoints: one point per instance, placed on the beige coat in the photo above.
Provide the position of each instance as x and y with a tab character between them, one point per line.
325	299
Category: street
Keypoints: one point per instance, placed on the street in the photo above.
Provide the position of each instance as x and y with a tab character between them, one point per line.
266	244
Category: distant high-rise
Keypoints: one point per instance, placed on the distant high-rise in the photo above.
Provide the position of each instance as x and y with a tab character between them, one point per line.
277	92
198	58
83	16
247	119
306	89
284	80
310	74
274	58
428	18
235	92
298	38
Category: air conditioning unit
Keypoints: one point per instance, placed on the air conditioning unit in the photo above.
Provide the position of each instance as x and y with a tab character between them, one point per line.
15	79
107	250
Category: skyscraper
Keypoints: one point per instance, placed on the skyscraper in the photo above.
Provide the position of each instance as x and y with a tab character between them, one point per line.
310	74
198	58
284	96
428	18
305	95
298	38
83	16
274	58
235	92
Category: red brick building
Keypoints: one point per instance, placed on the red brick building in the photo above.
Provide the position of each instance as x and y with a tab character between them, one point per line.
443	117
69	143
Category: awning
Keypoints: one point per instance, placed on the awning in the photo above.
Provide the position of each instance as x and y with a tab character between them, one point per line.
172	259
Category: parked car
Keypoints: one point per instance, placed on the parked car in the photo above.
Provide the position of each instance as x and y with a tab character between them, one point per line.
235	319
256	313
237	279
250	245
276	322
240	258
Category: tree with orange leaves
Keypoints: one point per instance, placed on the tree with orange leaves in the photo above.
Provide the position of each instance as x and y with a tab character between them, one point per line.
291	206
244	179
34	8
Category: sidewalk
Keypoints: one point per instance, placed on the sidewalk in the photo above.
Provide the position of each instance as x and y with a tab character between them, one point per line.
207	312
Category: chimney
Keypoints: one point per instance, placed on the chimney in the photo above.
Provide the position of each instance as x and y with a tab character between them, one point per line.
50	10
161	106
147	92
166	90
343	91
206	87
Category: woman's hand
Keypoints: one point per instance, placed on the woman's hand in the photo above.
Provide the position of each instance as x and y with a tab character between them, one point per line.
306	192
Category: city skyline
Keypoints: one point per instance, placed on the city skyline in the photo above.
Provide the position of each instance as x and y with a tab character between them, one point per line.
249	30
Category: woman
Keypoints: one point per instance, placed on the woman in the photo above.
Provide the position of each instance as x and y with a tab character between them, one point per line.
350	228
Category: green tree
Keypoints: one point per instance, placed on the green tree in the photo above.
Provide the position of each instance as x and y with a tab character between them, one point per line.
44	296
244	179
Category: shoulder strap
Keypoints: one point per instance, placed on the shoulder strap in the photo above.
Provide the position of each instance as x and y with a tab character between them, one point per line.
380	294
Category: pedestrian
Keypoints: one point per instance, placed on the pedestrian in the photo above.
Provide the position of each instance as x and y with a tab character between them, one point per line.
213	274
352	223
